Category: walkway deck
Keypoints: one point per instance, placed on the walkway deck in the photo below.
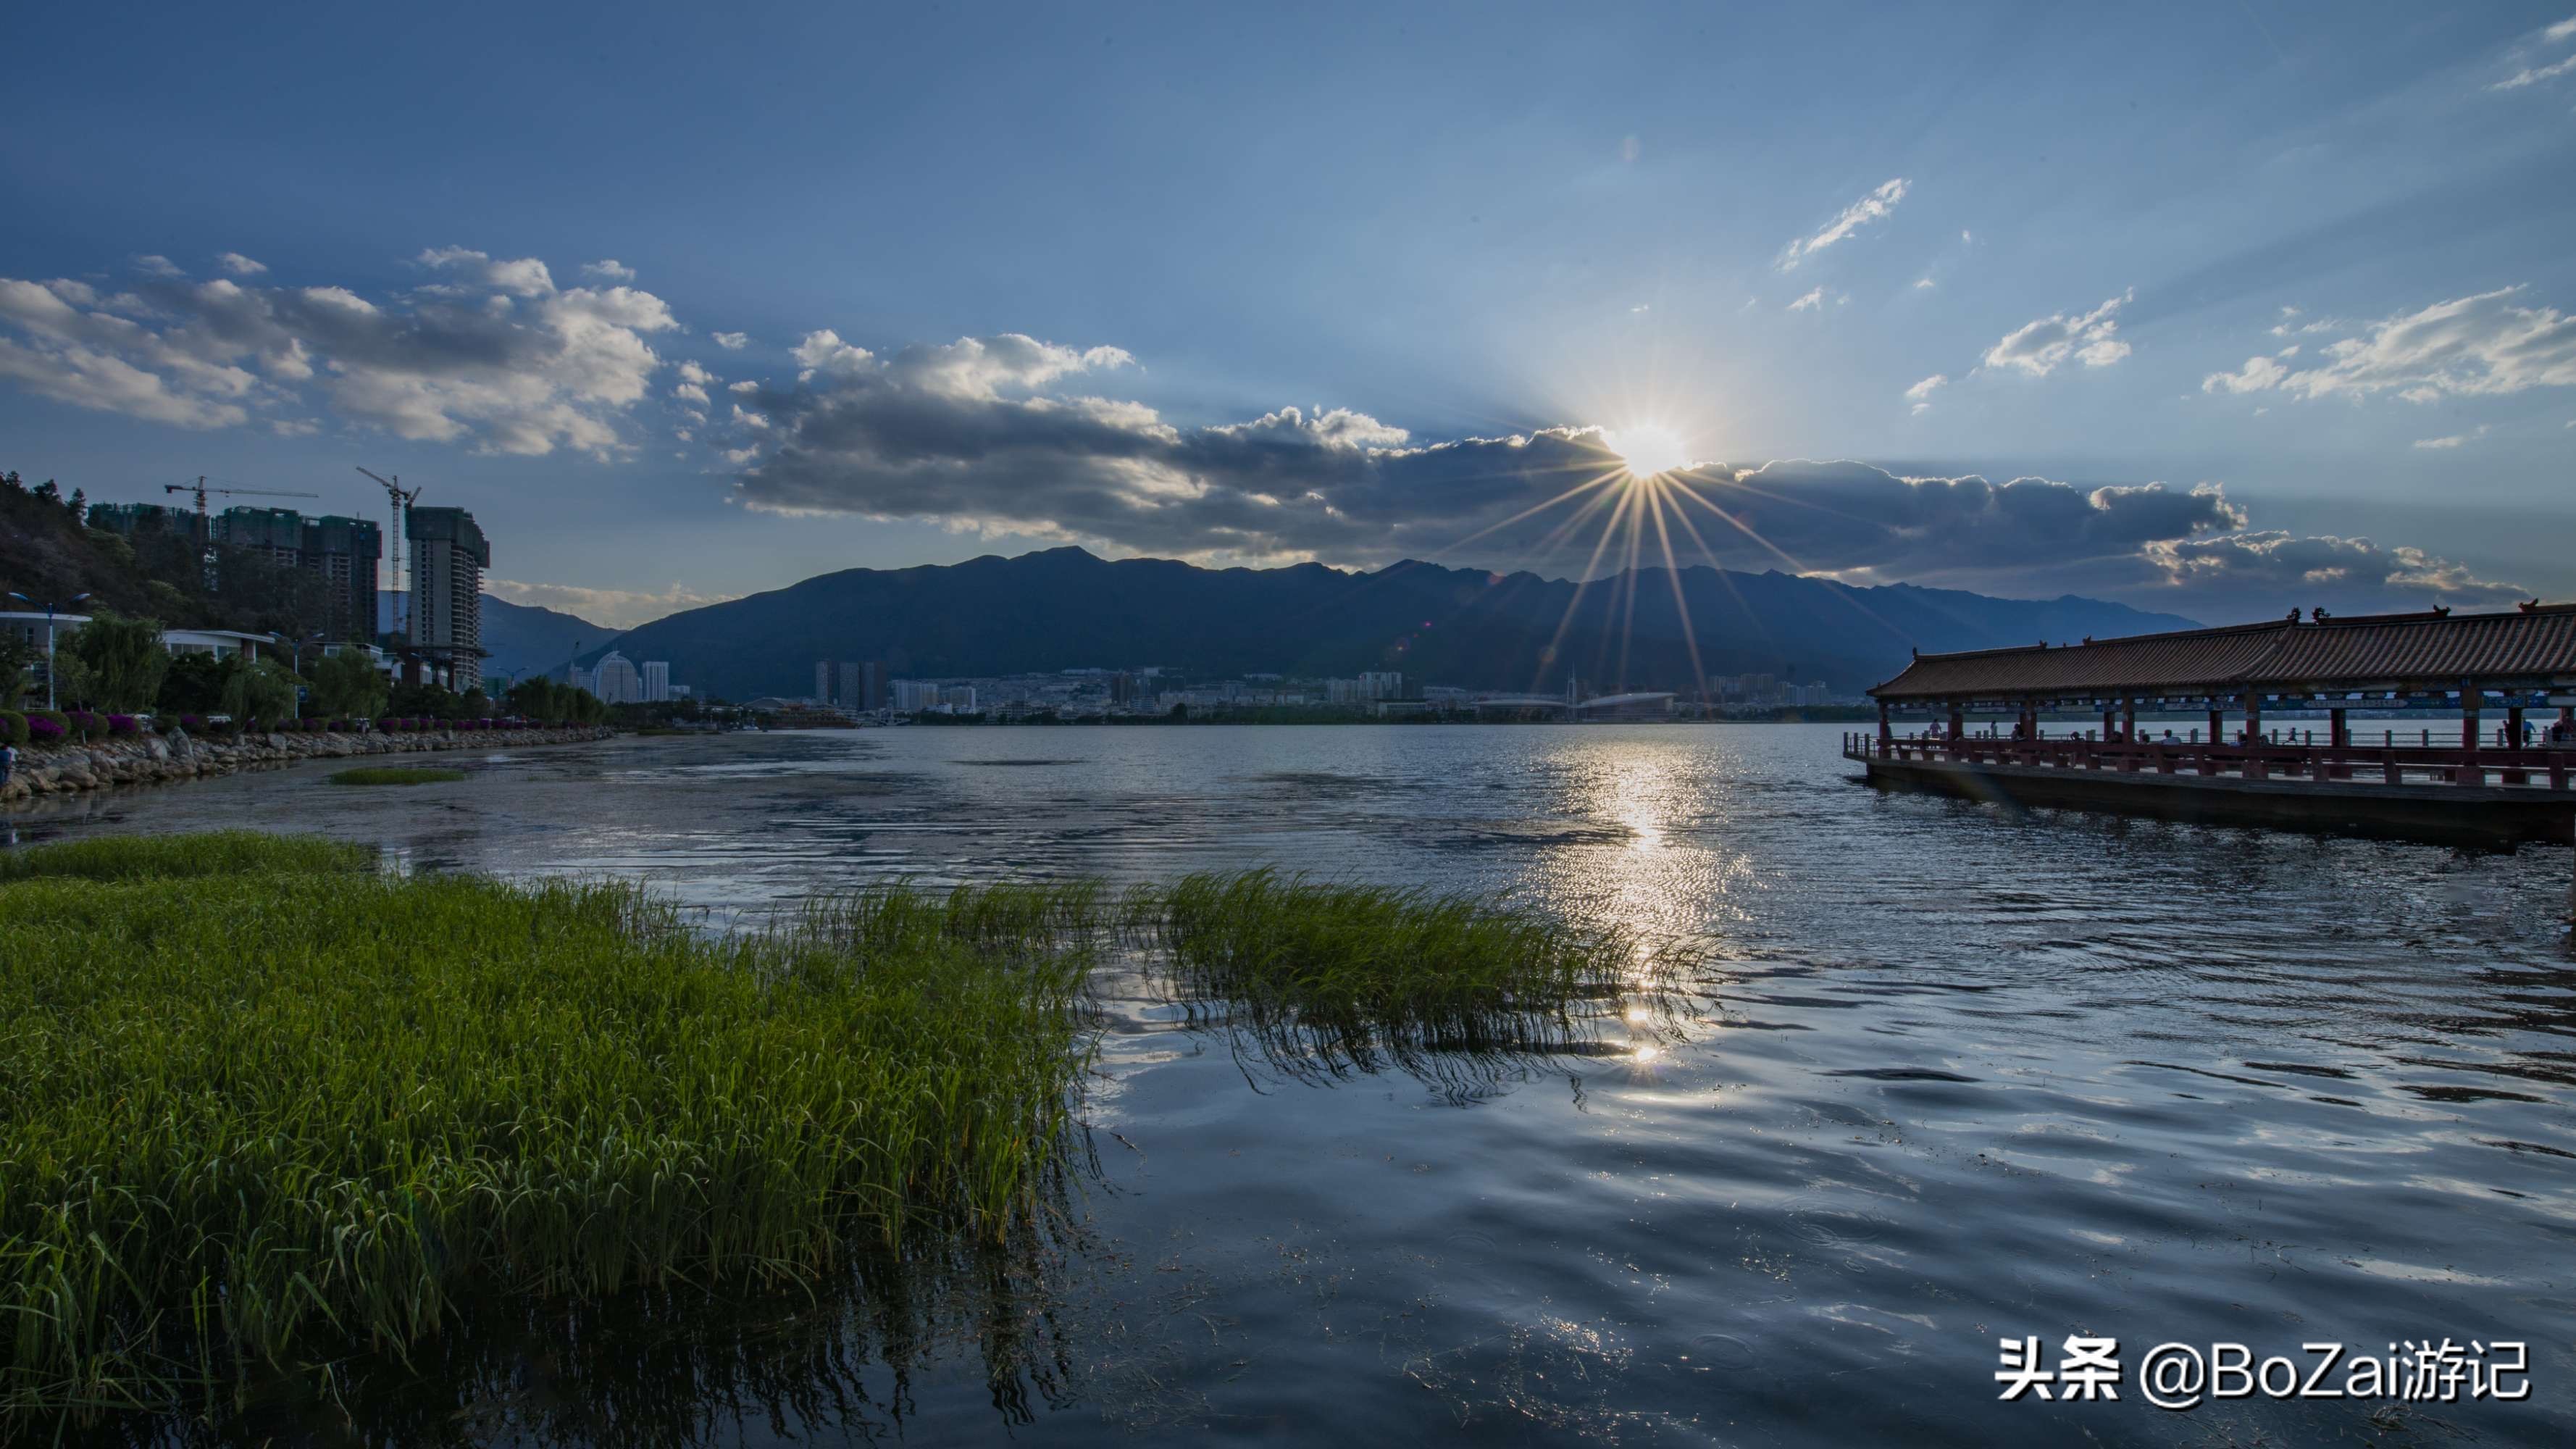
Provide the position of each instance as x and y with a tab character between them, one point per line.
2494	797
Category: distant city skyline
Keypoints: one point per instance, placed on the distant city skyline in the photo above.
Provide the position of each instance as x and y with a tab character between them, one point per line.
2271	313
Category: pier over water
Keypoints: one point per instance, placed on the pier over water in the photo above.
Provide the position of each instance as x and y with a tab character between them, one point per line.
2502	774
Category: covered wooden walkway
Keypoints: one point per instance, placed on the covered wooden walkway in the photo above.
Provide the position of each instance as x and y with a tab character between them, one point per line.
2511	675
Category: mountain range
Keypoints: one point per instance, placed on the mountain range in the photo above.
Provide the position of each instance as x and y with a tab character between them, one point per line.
525	639
1064	608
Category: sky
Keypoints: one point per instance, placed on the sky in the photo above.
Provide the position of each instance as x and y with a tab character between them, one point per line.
2216	309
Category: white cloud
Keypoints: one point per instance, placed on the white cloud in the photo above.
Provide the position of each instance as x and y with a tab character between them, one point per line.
158	266
608	269
524	277
294	427
2534	75
824	351
2530	75
1874	207
2483	344
544	369
616	608
746	385
2257	374
731	341
1922	284
239	265
1920	394
2455	440
2040	347
1809	302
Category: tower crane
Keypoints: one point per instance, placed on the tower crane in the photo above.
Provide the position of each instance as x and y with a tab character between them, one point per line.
400	499
200	489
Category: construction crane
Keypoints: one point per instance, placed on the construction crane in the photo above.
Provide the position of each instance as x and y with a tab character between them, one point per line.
401	499
200	489
206	527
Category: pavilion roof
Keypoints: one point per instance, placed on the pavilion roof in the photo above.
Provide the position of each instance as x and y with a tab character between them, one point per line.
2532	647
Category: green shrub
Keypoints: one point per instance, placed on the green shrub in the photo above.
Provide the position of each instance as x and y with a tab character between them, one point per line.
13	727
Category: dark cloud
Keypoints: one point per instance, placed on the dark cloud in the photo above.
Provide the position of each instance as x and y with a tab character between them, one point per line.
963	435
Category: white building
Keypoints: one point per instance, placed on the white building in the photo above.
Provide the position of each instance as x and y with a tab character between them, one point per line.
615	680
657	681
218	642
1386	685
959	697
912	696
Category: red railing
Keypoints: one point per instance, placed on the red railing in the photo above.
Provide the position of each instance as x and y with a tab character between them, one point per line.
2542	769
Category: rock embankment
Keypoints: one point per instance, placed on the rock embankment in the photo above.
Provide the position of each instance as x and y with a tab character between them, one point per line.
150	759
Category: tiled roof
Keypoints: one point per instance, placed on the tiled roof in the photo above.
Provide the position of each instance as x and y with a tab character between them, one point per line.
2532	647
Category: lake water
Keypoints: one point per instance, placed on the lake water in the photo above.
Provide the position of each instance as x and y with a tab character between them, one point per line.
1954	1076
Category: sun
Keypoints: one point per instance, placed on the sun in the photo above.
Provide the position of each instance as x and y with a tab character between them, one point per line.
1649	449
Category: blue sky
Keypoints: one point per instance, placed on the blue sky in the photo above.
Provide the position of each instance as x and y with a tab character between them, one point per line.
1076	263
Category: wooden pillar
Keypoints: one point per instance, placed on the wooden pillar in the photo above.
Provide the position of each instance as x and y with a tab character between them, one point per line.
2338	732
2469	702
1958	722
2253	734
1886	731
2471	773
2513	727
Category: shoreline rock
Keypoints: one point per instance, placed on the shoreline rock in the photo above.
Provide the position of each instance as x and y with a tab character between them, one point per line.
157	759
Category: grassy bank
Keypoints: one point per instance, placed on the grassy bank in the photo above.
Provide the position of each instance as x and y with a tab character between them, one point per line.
270	1106
395	775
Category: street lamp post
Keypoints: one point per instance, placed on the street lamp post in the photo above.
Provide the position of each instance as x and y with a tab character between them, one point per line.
296	648
49	607
297	645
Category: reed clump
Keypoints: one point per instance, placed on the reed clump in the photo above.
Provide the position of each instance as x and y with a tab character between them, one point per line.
279	1106
220	852
396	775
1339	977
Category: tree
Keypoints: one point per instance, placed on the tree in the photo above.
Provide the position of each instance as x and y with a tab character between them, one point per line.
120	660
261	689
347	685
15	655
425	701
195	684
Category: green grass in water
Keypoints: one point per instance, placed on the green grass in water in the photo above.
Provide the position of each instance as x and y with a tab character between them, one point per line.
396	775
1346	977
223	852
255	1112
268	1105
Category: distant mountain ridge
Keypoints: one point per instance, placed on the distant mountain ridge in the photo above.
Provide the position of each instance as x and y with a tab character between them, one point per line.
1065	608
526	639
